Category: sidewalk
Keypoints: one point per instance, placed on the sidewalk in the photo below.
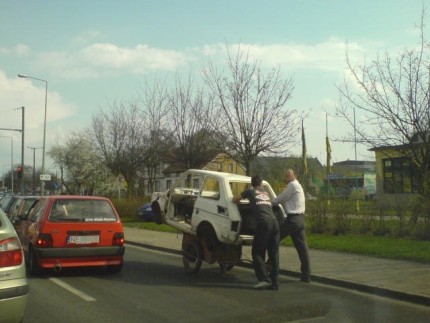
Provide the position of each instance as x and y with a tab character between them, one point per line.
402	280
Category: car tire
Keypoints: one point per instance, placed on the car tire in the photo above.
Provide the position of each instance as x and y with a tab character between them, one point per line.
33	267
207	235
192	257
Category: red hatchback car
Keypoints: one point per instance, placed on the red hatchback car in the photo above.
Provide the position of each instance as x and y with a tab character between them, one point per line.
72	231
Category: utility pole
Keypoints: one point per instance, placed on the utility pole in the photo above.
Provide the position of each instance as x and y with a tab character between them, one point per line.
33	186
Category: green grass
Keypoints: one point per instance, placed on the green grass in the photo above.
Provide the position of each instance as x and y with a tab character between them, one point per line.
377	246
134	223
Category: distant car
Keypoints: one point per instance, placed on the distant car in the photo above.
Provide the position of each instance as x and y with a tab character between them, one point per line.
72	231
6	202
21	206
13	281
145	213
310	197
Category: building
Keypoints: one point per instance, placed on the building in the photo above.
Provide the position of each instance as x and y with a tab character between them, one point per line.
350	176
395	171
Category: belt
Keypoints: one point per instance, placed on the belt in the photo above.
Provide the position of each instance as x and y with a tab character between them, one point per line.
294	214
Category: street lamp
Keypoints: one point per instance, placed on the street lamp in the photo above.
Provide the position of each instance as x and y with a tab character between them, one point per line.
34	166
11	158
42	188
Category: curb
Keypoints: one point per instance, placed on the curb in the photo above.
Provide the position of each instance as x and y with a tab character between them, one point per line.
378	291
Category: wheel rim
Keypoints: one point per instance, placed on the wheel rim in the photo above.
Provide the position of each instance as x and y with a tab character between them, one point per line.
192	258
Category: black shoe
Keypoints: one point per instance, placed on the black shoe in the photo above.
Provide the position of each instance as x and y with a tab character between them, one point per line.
305	280
274	287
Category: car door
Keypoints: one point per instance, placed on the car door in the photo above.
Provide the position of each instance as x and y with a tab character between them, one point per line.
211	206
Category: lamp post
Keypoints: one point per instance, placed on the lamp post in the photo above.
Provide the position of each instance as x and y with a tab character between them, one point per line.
42	186
34	167
11	158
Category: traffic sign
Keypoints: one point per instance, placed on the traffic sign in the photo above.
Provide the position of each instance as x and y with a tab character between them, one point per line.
45	177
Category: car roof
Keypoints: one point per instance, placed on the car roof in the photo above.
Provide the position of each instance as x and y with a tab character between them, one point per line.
228	176
75	197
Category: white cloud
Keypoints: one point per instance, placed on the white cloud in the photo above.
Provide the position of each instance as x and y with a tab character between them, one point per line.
17	92
138	59
328	55
101	59
19	50
66	65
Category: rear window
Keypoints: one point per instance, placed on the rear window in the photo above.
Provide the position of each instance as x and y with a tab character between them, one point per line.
68	210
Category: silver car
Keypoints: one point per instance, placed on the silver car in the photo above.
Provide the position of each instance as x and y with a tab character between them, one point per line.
13	280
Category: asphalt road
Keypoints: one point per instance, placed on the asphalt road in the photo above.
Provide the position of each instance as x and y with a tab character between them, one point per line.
154	288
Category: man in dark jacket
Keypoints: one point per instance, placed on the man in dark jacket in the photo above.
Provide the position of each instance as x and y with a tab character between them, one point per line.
266	237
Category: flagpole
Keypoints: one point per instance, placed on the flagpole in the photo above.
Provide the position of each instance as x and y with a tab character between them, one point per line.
304	152
356	172
327	159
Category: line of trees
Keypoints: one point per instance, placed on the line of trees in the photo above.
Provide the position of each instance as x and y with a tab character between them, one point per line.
238	109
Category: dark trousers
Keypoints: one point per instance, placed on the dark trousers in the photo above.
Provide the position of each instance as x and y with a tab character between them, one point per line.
266	238
294	226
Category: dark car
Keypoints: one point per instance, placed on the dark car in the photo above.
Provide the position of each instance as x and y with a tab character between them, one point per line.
20	206
145	213
6	202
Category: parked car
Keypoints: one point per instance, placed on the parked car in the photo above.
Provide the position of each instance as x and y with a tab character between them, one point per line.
310	197
145	213
6	202
21	206
13	281
72	231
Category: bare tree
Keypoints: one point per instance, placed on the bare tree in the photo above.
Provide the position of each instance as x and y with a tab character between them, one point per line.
252	116
120	136
190	109
392	95
156	120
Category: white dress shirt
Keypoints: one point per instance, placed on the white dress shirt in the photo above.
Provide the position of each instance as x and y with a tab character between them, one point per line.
292	198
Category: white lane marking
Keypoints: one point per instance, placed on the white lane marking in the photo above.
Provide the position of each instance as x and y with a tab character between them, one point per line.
72	290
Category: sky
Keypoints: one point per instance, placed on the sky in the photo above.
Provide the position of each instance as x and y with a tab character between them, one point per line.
90	54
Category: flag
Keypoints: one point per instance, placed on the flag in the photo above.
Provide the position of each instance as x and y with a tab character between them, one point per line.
328	149
304	157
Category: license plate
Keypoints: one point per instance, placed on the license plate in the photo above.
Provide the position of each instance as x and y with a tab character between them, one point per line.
82	239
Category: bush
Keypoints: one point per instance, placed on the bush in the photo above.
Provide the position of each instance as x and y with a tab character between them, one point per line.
128	207
317	216
342	212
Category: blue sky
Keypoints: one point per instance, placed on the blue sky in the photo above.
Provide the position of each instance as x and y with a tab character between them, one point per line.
93	53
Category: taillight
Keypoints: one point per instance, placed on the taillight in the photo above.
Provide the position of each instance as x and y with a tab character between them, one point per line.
118	239
44	241
10	252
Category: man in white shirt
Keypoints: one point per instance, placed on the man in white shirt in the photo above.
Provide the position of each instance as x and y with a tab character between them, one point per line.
293	202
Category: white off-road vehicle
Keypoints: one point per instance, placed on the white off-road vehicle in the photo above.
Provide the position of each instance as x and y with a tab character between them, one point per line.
214	228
